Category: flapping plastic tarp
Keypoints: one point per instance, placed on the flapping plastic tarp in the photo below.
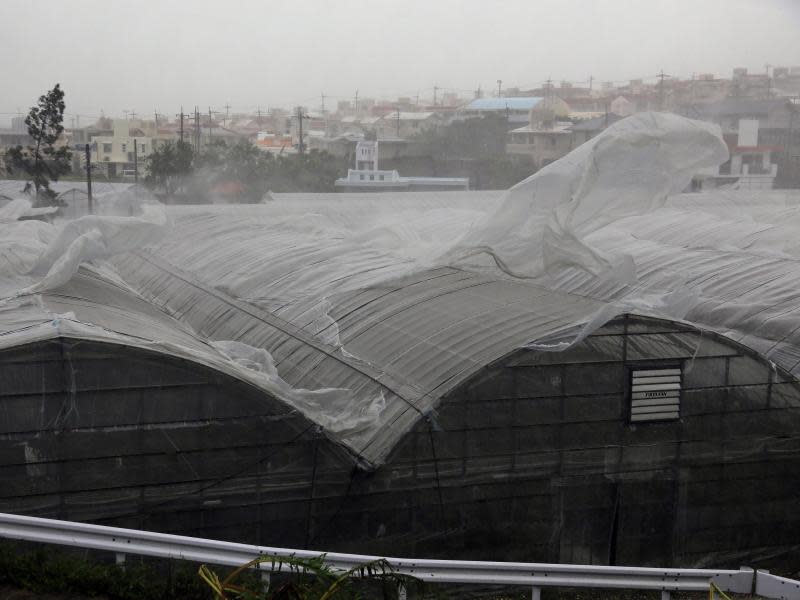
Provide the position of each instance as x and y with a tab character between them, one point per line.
362	311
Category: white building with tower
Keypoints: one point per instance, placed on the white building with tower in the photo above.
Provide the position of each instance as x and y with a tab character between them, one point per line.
368	177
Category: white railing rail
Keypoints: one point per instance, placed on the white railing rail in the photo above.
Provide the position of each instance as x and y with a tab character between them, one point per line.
533	575
773	586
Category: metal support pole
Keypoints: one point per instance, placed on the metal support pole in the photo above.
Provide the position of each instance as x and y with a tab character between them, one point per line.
536	593
89	177
665	595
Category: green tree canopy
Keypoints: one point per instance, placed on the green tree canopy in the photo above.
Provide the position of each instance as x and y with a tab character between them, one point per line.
239	171
42	162
168	167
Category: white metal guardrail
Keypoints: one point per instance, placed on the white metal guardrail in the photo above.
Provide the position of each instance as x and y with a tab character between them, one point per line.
533	575
772	586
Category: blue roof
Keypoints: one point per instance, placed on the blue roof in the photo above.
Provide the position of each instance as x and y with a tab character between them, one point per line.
513	103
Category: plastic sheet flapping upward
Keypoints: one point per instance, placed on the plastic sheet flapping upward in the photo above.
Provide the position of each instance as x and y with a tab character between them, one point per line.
630	168
542	226
38	255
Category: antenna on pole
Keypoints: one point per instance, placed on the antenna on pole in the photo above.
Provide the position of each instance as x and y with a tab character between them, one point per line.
499	88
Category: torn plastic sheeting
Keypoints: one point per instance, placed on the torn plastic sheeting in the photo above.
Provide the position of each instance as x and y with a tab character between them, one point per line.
332	408
92	237
630	168
36	256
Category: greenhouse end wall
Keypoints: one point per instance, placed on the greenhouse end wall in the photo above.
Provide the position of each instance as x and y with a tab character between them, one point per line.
534	458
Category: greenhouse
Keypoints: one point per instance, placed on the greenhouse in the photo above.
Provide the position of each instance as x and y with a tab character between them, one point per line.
592	367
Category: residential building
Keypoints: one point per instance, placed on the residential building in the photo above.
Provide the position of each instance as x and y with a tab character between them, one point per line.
516	110
750	165
403	124
549	134
763	140
123	151
622	106
275	143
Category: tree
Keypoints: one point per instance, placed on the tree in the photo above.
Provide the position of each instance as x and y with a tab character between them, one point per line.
238	172
168	167
475	148
42	162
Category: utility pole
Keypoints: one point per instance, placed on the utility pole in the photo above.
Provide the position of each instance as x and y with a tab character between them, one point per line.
499	88
89	177
301	146
547	87
435	92
769	81
181	116
591	80
227	108
210	125
322	106
196	129
661	77
397	122
355	103
155	116
133	115
135	162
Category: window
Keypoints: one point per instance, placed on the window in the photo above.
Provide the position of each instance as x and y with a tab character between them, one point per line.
655	393
372	177
361	177
143	149
107	148
381	177
124	147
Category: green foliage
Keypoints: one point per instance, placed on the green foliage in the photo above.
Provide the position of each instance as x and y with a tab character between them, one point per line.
42	162
478	138
312	579
62	572
475	148
313	171
238	172
169	166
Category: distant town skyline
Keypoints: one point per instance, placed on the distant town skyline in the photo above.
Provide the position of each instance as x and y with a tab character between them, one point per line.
114	57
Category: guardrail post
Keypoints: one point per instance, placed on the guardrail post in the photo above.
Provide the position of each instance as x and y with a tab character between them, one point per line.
665	595
402	594
120	560
536	593
266	580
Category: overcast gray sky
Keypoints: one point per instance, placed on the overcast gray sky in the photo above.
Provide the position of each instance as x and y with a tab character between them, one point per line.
145	55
